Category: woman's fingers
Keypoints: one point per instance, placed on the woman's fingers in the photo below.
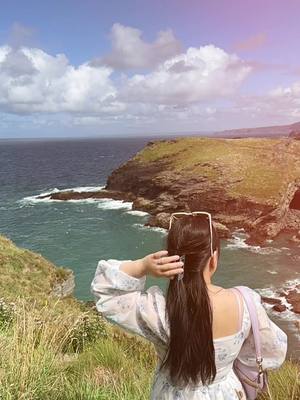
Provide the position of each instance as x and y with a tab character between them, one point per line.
171	266
173	272
160	254
167	260
169	270
164	265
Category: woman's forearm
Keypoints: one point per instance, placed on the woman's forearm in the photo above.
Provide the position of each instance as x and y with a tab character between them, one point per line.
157	264
134	268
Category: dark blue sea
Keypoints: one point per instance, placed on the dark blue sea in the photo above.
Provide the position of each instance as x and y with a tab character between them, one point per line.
77	234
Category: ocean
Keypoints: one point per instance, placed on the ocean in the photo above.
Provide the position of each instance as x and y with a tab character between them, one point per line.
77	234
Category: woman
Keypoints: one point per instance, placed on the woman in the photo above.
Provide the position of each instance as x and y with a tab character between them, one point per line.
198	328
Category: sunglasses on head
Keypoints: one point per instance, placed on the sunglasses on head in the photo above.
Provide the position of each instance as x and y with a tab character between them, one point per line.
180	214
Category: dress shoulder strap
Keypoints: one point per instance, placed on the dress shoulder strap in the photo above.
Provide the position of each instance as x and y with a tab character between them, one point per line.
238	298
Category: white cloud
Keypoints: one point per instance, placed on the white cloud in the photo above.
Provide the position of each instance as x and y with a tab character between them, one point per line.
33	81
200	74
129	50
280	105
192	90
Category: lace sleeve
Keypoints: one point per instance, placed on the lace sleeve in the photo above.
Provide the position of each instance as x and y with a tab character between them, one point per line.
122	299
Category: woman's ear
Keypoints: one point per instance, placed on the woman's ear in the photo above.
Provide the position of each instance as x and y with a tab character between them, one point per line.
213	262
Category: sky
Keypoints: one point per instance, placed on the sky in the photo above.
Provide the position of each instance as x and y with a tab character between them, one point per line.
135	67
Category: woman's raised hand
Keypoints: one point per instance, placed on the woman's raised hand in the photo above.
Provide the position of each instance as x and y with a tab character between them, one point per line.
159	264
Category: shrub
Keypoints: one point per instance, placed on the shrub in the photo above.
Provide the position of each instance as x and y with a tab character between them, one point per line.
87	329
7	313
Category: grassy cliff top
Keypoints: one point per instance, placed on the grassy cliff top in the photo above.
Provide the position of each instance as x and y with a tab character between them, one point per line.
25	274
254	167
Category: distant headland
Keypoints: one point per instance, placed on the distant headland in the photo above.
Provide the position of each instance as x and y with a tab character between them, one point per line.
248	183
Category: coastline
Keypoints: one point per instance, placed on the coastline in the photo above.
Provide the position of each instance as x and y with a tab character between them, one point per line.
173	175
283	300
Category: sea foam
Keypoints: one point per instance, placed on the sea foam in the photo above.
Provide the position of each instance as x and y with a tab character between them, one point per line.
111	204
152	228
239	242
273	292
138	212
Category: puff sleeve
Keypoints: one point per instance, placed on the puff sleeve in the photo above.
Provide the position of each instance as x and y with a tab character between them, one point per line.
123	300
273	340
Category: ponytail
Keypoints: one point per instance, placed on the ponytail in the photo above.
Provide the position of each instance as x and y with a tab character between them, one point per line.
190	356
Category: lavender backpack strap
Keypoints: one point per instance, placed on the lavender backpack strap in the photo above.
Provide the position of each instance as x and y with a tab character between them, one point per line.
254	321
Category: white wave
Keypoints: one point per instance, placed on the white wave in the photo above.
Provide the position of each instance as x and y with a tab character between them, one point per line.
160	230
239	242
80	189
104	203
33	199
152	228
95	218
291	283
138	212
46	195
272	272
274	292
111	204
81	201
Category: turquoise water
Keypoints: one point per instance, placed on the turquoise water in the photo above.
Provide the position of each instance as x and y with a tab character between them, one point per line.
78	234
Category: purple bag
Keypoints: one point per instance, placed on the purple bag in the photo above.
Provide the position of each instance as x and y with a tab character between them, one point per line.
254	379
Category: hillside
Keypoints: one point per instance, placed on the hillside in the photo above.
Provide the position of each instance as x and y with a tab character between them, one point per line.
263	131
245	183
54	346
27	275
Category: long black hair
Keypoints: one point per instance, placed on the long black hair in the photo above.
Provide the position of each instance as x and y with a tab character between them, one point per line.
190	356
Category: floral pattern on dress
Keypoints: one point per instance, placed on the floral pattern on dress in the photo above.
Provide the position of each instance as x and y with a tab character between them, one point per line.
123	300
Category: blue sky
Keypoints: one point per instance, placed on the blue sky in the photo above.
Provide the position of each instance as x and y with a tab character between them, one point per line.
95	68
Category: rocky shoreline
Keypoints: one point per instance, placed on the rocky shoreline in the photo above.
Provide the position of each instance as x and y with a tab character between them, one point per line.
284	300
155	187
252	184
291	296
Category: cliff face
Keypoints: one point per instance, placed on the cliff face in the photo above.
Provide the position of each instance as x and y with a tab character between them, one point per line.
66	287
245	183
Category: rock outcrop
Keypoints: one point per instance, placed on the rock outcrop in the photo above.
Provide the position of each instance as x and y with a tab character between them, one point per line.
64	287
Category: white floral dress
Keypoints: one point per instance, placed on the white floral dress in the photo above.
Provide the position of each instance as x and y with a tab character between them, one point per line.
123	300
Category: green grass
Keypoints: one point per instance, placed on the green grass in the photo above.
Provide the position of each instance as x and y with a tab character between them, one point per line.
263	166
284	383
25	274
34	366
